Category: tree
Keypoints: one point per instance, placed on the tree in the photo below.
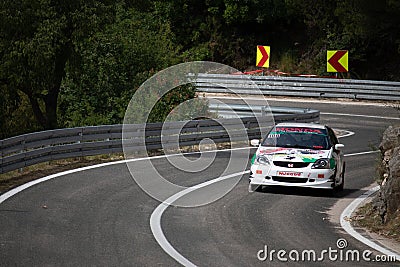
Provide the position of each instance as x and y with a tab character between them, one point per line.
38	38
114	62
372	30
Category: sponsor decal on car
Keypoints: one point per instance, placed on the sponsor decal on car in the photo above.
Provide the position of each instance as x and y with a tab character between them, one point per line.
297	130
272	151
291	174
274	135
295	155
253	158
332	162
286	151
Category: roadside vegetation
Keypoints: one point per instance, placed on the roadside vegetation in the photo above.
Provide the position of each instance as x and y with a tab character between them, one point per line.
15	178
75	63
21	176
382	214
368	217
78	62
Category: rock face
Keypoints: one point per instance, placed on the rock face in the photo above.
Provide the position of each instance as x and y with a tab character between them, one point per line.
387	202
390	139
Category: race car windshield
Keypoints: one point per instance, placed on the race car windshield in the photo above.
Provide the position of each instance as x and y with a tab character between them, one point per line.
297	137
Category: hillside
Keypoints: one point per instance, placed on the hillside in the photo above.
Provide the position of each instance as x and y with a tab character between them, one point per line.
74	63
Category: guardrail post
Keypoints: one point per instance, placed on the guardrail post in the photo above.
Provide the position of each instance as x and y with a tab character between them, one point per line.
108	141
2	155
47	146
20	170
263	112
80	134
300	86
197	136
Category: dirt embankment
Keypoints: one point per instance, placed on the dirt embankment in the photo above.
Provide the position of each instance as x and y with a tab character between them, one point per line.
387	202
382	214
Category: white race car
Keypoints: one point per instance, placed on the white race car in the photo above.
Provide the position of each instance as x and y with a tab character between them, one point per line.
298	154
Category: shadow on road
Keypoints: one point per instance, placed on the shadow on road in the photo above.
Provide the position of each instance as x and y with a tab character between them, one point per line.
311	192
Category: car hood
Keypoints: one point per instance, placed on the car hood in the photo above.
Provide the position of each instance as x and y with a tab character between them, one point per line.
292	154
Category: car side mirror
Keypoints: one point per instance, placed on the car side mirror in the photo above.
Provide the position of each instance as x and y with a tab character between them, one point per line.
255	142
339	146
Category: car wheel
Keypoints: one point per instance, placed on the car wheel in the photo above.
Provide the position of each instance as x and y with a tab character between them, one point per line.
335	187
341	186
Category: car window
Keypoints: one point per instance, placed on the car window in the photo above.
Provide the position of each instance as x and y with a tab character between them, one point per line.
332	137
297	137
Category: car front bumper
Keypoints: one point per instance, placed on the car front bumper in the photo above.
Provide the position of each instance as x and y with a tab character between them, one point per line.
298	177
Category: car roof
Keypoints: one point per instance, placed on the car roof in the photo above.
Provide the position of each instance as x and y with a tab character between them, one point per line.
308	125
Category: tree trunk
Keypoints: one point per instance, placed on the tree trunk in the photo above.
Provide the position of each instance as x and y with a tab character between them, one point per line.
48	118
51	99
51	109
37	112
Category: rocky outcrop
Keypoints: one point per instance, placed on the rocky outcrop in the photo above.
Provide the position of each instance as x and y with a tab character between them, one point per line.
387	202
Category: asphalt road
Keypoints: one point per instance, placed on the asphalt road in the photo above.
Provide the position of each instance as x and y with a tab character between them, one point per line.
100	217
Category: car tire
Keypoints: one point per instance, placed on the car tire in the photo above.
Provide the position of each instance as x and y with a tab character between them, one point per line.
335	188
341	186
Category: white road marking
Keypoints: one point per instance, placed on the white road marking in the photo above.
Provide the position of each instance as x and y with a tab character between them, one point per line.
347	134
360	115
317	101
155	219
345	222
361	153
20	188
299	100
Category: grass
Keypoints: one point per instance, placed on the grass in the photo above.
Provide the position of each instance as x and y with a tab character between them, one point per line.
15	178
368	217
396	106
287	62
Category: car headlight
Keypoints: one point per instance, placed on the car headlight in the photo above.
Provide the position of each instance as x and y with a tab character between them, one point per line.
261	160
321	164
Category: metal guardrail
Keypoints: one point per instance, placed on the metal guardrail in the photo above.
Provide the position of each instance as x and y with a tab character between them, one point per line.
297	86
281	114
29	149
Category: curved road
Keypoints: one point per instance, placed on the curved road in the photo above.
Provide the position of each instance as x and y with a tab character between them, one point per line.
100	217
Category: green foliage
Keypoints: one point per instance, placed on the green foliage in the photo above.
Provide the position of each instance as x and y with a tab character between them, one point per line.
113	63
38	38
169	106
15	113
78	62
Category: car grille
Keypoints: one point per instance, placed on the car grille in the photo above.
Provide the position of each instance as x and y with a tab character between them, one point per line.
289	179
292	164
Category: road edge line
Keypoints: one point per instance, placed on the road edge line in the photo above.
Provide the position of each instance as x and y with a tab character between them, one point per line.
6	195
155	218
345	223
